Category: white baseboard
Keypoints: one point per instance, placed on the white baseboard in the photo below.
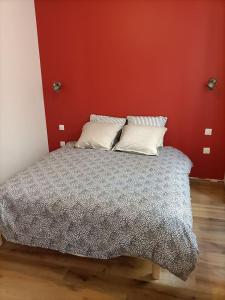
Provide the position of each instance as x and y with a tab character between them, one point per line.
208	179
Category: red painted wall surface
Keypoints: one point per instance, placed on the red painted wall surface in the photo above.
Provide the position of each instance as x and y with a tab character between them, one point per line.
137	58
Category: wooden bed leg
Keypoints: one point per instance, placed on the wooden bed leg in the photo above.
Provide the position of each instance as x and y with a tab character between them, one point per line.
1	240
155	271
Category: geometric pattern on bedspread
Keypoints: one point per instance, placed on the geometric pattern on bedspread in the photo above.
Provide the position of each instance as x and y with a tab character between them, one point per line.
104	204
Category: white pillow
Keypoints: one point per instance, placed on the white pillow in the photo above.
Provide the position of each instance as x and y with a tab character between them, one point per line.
98	135
140	139
107	119
148	121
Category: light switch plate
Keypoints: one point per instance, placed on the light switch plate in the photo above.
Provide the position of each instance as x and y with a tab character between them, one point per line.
208	131
62	143
61	127
206	150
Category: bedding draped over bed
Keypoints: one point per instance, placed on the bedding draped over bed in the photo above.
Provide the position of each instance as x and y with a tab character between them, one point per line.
104	204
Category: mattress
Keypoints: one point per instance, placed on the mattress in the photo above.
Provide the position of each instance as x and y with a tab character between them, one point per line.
104	204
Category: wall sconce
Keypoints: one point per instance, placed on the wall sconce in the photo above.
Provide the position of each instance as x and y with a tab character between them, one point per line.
57	85
211	83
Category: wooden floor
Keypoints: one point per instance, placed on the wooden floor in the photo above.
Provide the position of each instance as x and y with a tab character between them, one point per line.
35	274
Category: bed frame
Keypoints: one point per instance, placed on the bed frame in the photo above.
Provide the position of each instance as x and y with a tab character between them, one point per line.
155	268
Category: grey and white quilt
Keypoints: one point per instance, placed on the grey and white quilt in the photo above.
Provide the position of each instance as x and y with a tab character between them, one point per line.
104	204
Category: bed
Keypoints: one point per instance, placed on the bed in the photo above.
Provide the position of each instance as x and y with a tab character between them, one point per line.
104	204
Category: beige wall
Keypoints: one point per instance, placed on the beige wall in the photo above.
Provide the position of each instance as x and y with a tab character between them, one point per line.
23	136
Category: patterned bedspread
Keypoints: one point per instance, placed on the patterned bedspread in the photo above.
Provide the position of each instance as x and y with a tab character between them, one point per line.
104	204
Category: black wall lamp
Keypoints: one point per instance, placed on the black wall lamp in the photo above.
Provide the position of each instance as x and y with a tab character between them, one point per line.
211	83
57	85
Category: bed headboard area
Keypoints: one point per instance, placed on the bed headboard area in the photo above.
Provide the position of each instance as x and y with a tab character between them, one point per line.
111	60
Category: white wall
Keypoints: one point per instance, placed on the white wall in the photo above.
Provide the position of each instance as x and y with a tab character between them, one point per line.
23	136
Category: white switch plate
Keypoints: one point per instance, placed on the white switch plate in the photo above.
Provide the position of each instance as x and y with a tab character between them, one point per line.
208	131
206	150
61	127
62	143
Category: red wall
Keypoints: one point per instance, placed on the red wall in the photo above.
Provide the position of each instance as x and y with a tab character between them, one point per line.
137	58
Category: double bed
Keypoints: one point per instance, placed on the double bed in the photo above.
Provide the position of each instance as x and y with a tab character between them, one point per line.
104	204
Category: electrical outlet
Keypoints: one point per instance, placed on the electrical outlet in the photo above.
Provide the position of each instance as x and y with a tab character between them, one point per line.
208	131
61	127
62	143
206	150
